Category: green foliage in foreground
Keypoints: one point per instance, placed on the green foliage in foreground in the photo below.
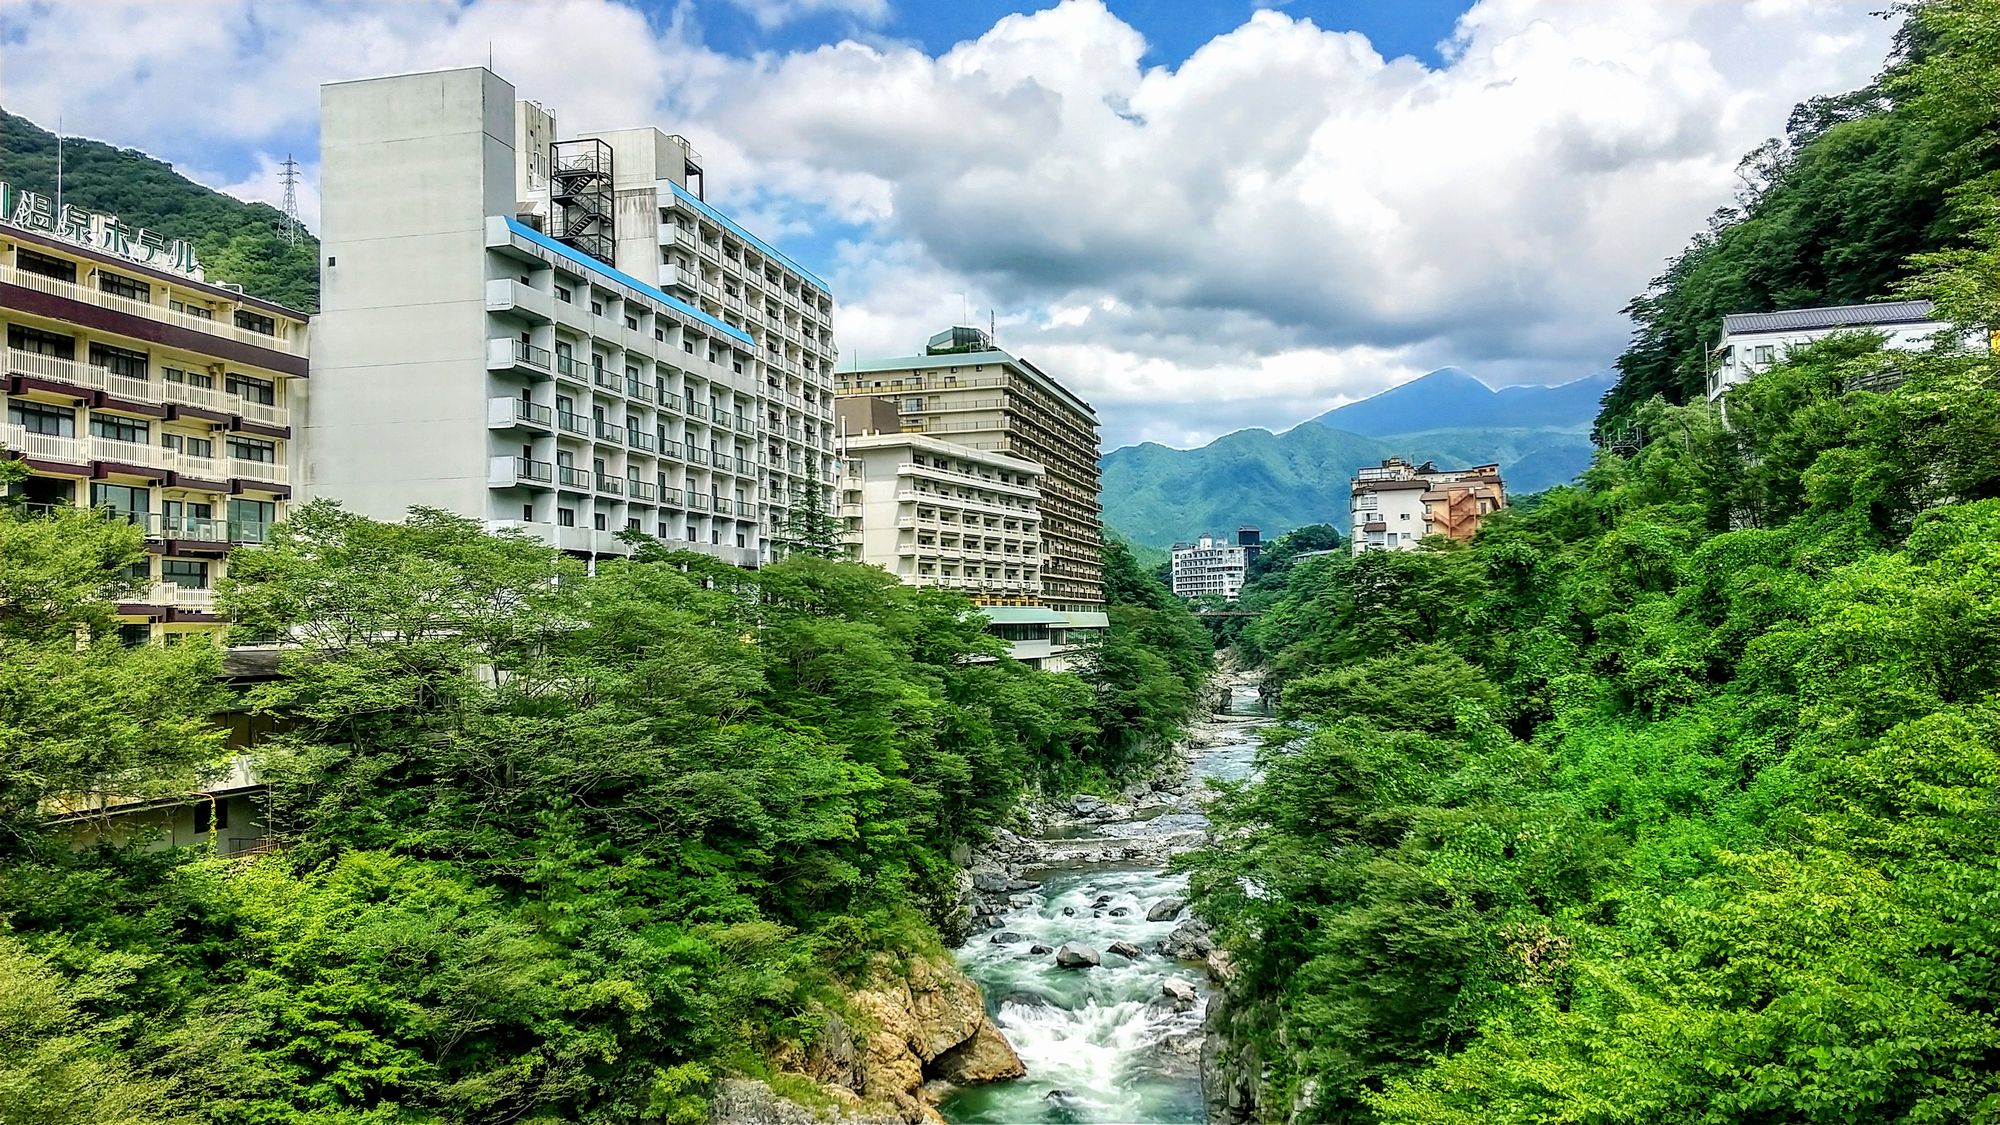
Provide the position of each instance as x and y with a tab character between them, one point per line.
558	847
1667	800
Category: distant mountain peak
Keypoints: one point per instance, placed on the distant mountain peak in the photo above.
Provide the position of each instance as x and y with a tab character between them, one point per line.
1452	398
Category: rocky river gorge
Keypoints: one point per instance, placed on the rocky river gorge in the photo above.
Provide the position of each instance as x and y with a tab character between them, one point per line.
1090	963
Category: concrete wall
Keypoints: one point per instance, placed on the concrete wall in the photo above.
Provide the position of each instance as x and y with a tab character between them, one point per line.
410	167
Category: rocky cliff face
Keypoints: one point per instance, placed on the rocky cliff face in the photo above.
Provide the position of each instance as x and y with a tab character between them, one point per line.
917	1023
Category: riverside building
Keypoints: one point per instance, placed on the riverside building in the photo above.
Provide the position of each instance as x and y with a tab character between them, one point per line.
135	386
560	336
1751	342
1212	566
966	391
1394	506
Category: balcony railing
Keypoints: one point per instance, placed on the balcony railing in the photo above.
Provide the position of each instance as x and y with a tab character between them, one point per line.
505	412
200	599
640	440
609	431
569	476
507	472
161	313
636	389
91	377
640	490
605	378
571	423
570	369
610	485
697	456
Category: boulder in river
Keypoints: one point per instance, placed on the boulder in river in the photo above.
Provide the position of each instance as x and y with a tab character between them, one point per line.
1125	949
992	882
1120	911
1189	941
986	1057
1181	992
1165	909
1083	804
1073	956
1008	937
1038	947
1069	911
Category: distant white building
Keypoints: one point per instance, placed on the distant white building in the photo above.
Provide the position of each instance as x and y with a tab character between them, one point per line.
1210	566
1752	342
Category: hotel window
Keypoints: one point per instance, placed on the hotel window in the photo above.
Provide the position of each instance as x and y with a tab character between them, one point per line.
563	294
596	307
122	500
565	517
597	521
256	322
190	378
251	389
632	322
252	449
188	574
193	309
250	520
41	418
119	361
27	261
182	515
40	343
117	428
1765	353
192	446
118	285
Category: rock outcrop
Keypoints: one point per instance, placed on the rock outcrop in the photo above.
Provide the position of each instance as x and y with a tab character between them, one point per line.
914	1022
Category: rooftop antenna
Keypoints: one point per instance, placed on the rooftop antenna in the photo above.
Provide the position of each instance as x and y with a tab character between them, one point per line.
992	324
59	167
290	176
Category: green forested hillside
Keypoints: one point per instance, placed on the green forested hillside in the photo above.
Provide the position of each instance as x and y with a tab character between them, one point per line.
1832	213
236	241
1669	798
1158	496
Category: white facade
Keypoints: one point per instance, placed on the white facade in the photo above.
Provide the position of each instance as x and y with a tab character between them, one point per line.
1752	342
1389	516
467	360
1209	566
933	513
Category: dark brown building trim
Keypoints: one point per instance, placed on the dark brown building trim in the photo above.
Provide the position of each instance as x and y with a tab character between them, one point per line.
138	327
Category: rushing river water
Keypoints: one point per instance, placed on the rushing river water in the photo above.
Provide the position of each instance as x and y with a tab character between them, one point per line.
1102	1044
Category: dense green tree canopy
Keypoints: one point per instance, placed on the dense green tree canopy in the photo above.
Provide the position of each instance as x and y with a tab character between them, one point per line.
1667	799
556	845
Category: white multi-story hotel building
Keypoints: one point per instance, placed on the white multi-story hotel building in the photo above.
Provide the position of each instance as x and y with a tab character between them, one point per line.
559	336
1209	566
937	514
1751	342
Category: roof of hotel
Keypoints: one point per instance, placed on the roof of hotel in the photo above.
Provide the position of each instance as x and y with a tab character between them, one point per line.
998	458
763	247
595	266
1832	316
859	366
1023	615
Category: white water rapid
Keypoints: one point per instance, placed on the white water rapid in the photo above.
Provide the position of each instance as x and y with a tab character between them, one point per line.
1102	1044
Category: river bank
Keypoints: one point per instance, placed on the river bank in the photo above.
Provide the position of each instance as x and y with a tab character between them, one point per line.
1091	965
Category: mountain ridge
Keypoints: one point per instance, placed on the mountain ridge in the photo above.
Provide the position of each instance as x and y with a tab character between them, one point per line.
1156	494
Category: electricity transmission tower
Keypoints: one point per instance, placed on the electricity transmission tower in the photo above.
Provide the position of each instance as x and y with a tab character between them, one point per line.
291	181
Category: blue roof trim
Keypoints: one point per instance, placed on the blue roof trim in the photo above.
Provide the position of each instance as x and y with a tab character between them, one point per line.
595	266
764	247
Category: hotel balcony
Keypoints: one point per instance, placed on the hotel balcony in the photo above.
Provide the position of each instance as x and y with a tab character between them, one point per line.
510	356
506	295
518	413
518	472
161	313
95	456
85	376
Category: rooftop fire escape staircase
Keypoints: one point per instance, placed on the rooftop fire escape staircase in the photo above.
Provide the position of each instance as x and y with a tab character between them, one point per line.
580	198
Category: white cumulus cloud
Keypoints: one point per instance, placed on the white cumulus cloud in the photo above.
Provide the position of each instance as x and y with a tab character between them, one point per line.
1283	221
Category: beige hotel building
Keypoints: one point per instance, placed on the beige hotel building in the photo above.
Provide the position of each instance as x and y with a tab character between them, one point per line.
133	385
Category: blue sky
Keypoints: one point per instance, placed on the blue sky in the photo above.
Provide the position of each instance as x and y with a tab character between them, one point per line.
1173	28
1201	216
